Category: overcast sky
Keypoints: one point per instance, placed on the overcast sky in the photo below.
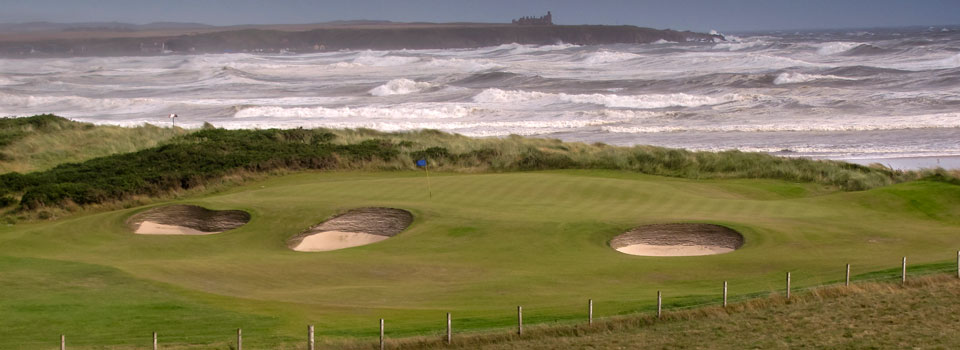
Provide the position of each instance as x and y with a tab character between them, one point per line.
699	15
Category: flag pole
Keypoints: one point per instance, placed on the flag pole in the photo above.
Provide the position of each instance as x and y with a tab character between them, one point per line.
426	168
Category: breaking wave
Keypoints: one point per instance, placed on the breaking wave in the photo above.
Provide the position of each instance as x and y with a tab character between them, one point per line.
399	87
794	78
637	101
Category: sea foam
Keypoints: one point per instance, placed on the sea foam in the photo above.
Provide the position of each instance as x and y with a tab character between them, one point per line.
626	101
399	87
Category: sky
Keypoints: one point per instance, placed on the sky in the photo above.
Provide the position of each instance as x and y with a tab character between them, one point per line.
697	15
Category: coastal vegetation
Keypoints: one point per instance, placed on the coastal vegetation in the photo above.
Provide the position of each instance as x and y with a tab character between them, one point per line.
101	164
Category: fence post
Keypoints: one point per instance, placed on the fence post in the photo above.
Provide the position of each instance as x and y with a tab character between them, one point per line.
659	304
724	293
590	311
310	342
381	334
239	339
519	320
63	342
847	283
788	286
903	273
154	340
449	330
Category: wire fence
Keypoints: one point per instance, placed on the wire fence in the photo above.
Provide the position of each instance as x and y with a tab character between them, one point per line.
664	303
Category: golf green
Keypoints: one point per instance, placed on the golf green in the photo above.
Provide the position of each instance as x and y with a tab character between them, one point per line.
479	246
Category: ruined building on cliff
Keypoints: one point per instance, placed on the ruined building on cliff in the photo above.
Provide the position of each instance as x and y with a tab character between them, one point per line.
538	21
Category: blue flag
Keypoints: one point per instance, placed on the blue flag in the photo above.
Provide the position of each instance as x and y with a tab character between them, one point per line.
421	162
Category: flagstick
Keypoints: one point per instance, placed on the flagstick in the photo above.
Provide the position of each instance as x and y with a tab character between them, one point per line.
429	188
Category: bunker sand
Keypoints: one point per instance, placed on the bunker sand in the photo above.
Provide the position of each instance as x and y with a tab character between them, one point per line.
186	220
354	228
678	240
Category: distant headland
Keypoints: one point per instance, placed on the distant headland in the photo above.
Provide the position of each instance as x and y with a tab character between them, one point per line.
42	39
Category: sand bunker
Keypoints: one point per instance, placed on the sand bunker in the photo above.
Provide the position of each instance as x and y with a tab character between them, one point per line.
356	227
678	240
186	220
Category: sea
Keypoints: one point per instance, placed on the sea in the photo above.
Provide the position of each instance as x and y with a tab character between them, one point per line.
877	95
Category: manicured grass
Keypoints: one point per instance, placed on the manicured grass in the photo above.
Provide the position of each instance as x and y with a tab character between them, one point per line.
482	245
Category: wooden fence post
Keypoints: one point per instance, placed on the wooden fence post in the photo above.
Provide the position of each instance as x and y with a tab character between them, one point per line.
63	342
659	304
239	339
724	293
590	311
519	320
154	340
381	334
310	342
903	273
788	286
449	330
847	283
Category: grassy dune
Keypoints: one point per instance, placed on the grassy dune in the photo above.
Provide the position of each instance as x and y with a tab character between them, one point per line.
480	246
43	142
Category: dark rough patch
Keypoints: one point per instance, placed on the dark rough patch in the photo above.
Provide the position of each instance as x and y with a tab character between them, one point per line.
680	234
197	218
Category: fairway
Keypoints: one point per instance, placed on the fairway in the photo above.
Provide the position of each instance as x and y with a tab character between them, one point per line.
479	246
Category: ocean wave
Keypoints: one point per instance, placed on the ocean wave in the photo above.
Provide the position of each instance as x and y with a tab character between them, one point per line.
519	49
79	104
616	101
860	123
399	87
604	56
399	112
793	78
469	65
833	48
738	45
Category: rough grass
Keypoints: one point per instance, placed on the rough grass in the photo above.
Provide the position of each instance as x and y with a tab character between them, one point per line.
43	142
873	315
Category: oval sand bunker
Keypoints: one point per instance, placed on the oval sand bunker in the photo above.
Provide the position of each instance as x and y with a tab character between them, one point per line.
354	228
678	240
186	220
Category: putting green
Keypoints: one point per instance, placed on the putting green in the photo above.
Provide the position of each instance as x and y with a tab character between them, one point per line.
480	246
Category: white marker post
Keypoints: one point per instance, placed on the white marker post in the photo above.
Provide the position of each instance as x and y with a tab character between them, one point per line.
788	286
659	304
847	283
903	273
449	330
590	311
310	343
724	293
519	320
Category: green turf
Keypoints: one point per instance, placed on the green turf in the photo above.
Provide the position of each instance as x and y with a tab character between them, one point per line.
482	245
